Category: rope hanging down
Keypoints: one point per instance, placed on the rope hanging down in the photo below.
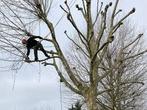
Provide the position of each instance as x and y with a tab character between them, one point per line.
61	96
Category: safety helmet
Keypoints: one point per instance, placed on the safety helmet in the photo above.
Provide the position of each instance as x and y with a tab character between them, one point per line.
24	41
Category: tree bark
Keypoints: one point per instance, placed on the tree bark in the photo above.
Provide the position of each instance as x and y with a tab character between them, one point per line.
91	99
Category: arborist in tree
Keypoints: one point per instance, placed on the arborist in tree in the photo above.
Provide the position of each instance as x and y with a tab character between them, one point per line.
31	43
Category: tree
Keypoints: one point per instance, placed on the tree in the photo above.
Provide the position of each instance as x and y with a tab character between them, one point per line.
122	87
126	77
77	106
84	80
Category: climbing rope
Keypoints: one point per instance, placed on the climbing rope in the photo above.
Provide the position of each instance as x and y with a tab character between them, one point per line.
39	73
61	96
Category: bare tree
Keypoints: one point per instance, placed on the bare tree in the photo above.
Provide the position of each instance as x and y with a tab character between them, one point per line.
84	77
126	77
122	83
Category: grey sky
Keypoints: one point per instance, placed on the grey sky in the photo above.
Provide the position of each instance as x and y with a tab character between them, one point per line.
33	90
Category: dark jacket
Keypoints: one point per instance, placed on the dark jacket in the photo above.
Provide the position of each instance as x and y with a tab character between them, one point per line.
31	42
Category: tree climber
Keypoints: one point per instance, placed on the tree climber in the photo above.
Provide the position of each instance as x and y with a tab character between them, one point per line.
31	43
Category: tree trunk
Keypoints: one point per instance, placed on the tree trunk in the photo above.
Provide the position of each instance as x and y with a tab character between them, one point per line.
91	100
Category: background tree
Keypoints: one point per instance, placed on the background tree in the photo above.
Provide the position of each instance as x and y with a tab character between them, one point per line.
77	106
126	77
85	77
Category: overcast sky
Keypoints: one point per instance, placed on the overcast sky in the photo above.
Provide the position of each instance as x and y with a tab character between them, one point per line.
34	89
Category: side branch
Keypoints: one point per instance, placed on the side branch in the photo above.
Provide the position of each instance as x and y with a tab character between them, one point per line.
59	51
64	80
